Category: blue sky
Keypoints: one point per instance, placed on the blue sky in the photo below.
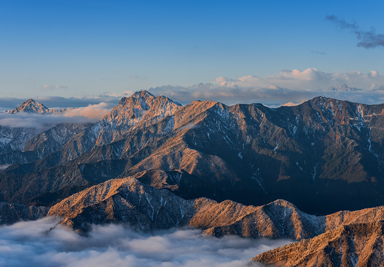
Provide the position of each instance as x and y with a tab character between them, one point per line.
90	48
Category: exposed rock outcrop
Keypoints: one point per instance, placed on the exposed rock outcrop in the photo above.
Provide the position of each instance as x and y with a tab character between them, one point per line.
359	244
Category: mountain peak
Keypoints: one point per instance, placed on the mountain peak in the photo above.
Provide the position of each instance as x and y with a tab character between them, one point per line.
141	106
30	101
344	88
30	106
142	94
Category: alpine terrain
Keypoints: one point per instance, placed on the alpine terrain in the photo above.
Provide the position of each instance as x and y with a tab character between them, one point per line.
311	173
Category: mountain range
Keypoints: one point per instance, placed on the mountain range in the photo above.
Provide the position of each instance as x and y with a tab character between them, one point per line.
155	164
318	155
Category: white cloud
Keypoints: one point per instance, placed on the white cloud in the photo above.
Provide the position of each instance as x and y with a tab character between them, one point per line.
274	90
287	86
42	122
28	244
290	104
49	87
91	111
312	79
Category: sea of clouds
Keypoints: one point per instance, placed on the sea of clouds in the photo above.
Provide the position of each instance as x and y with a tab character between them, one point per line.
42	122
33	244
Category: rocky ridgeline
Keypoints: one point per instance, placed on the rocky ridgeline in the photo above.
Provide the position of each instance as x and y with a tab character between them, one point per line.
144	207
32	106
358	244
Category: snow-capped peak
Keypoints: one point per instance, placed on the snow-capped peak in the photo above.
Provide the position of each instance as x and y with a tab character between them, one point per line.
140	106
32	106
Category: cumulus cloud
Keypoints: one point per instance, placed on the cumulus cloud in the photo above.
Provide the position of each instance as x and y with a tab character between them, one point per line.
50	87
290	104
276	89
367	39
273	90
91	111
30	244
42	122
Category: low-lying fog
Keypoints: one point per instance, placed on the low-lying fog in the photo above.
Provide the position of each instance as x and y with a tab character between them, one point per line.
30	244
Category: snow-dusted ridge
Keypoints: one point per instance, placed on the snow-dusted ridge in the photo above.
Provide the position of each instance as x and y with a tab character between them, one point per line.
32	106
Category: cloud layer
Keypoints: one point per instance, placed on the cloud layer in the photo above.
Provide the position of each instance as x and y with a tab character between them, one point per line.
293	86
90	113
29	244
93	112
277	89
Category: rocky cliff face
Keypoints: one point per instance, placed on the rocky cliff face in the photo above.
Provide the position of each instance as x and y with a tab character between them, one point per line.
359	244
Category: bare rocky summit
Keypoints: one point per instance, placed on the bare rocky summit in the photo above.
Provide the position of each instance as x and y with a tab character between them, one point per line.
142	108
32	106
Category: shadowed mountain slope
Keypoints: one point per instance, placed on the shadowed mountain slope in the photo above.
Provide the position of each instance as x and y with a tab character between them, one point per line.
11	213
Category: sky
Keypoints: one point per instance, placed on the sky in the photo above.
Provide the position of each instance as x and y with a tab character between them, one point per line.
274	52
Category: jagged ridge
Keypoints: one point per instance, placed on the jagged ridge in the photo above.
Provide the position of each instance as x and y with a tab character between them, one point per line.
357	245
